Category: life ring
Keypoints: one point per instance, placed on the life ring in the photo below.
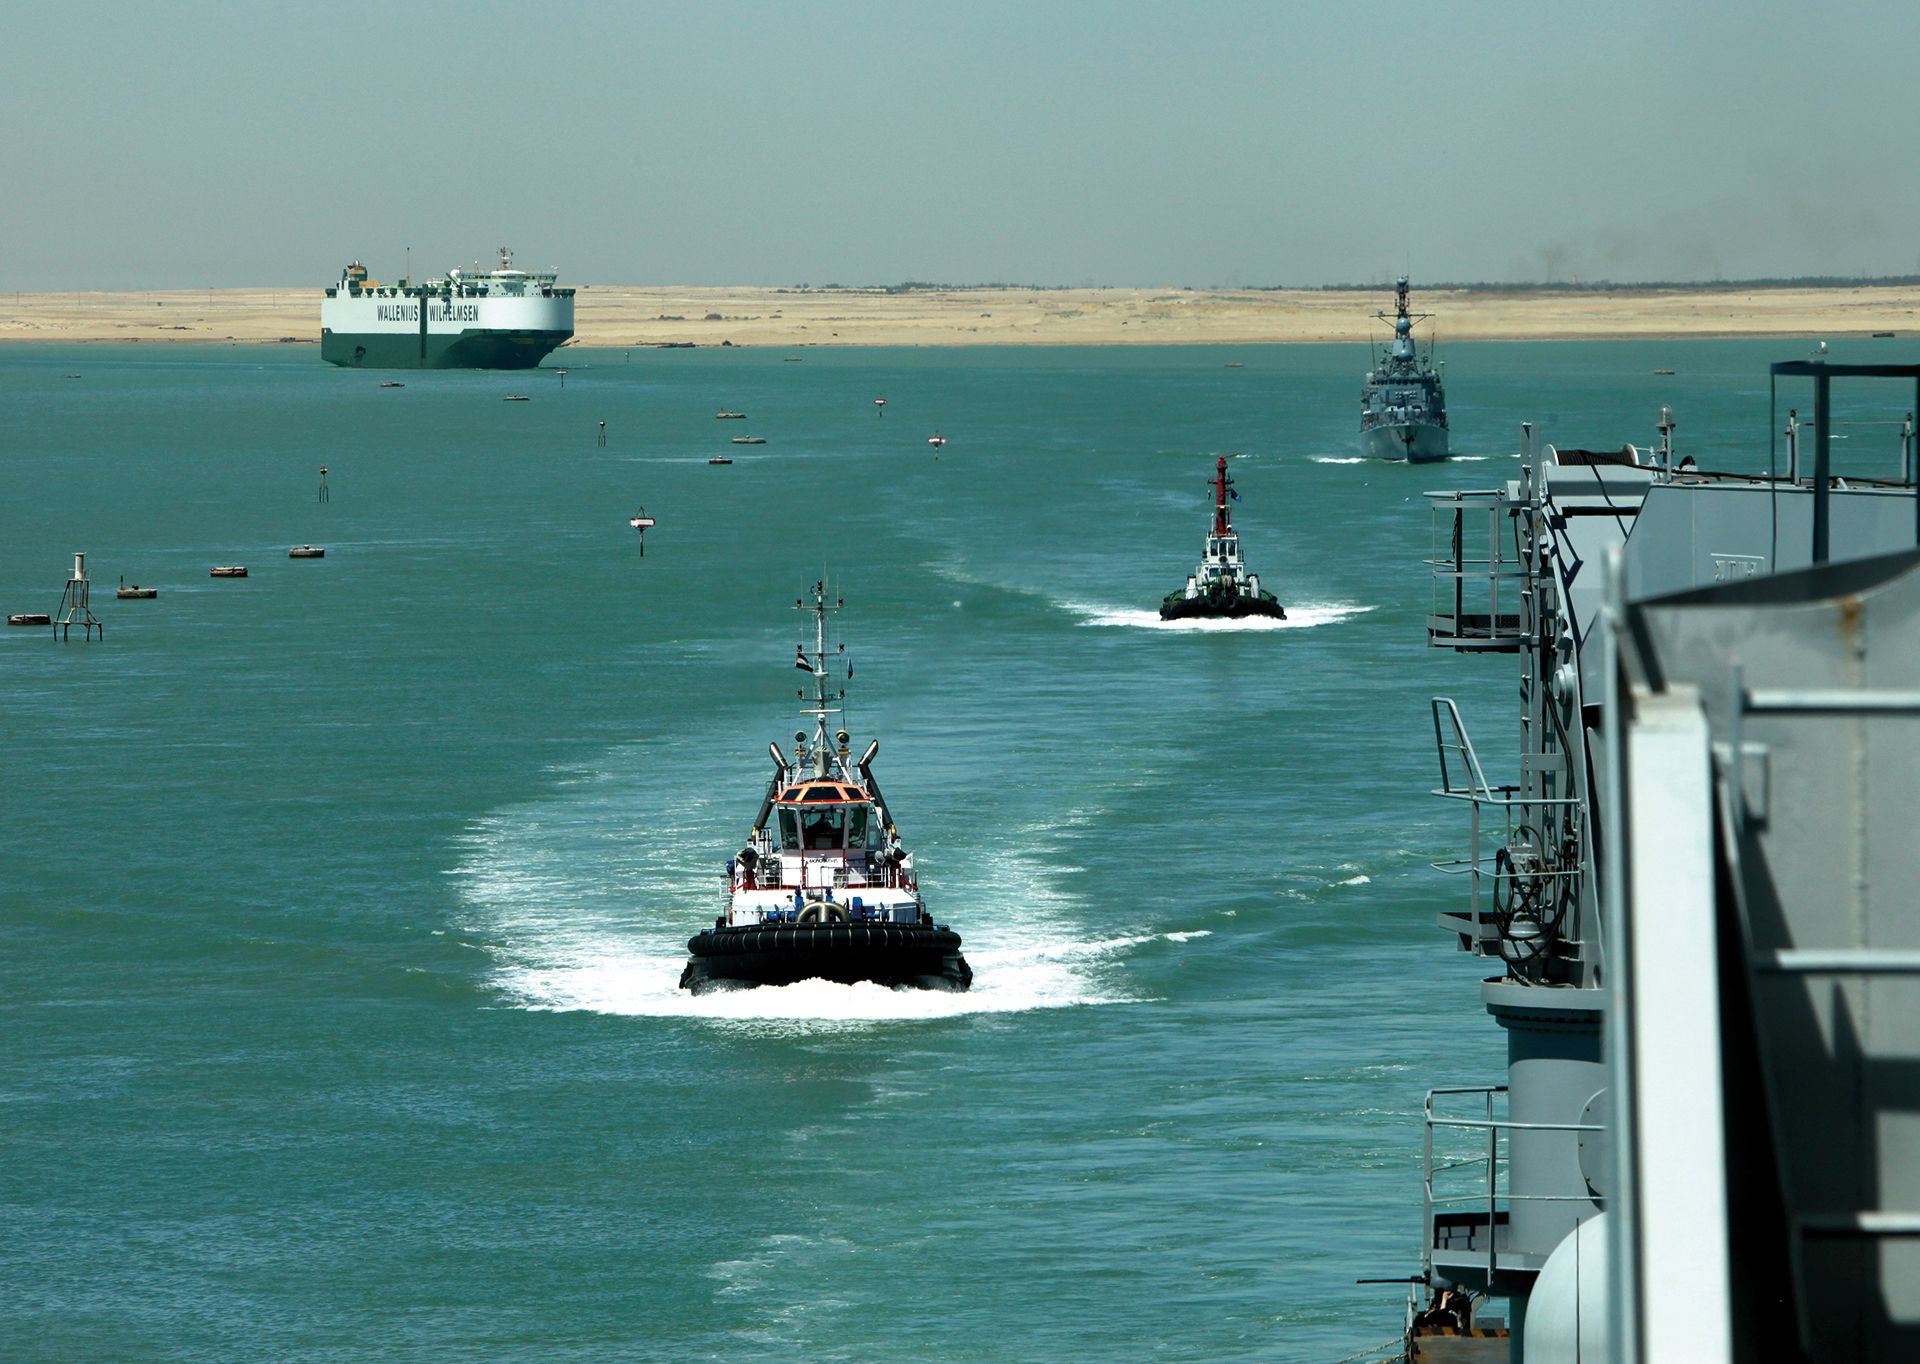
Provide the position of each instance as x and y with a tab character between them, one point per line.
821	912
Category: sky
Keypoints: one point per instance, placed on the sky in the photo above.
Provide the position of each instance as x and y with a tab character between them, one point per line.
1059	142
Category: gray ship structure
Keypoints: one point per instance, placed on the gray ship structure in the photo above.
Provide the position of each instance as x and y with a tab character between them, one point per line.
481	319
1220	587
823	888
1403	406
1698	886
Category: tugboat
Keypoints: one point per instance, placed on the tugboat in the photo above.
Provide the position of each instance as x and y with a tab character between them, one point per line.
1403	408
823	889
1221	587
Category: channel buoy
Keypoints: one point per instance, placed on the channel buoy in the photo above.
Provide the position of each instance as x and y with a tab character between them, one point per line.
640	521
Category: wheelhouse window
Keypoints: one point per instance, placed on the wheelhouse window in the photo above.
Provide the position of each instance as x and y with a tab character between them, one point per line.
825	827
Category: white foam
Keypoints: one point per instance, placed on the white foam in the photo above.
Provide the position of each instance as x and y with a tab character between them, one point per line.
1368	459
1190	935
579	915
1356	881
643	984
1299	617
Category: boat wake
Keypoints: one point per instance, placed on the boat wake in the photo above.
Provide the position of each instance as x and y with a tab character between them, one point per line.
577	914
1368	459
1298	618
626	979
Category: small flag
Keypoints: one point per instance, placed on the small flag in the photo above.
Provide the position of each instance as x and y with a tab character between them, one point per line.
800	658
1234	493
849	668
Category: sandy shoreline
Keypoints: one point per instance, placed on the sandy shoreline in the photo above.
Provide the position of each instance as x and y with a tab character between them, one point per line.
621	316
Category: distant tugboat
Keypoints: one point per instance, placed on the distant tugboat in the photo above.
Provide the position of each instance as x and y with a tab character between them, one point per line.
1403	408
823	889
1221	587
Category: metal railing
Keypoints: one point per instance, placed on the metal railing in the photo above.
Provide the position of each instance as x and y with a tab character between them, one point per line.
1479	594
1524	867
1490	1192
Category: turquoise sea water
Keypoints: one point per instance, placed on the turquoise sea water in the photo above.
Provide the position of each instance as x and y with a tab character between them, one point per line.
343	906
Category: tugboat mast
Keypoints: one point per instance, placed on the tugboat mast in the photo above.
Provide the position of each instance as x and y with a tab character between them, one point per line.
1221	524
817	665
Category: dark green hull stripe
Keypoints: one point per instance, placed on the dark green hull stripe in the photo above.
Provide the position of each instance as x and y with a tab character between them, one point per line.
468	350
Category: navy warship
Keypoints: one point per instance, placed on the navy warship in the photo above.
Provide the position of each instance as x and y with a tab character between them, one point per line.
1403	407
823	888
1220	587
1696	892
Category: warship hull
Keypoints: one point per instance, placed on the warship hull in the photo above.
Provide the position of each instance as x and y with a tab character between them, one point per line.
1413	442
744	956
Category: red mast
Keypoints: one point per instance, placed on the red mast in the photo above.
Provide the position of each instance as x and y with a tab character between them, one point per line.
1220	486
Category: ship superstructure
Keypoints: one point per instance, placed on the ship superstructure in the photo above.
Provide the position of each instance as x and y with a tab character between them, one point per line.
504	318
1697	891
824	888
1403	406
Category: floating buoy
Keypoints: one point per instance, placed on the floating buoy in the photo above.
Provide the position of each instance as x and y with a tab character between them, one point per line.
880	406
228	571
28	618
936	440
306	552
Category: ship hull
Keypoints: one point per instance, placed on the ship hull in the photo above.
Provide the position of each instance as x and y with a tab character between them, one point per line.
1205	607
1413	442
742	957
439	350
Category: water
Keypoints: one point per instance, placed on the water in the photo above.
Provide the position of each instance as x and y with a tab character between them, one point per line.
343	906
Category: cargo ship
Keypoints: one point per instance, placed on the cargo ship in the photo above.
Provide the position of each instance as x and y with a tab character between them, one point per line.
493	319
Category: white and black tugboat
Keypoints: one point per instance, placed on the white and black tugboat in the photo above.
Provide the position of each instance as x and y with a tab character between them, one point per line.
1221	587
823	889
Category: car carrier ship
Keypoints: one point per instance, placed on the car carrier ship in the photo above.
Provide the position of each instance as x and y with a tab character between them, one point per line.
494	319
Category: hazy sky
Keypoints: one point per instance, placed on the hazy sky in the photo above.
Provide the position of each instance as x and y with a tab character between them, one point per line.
1206	142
